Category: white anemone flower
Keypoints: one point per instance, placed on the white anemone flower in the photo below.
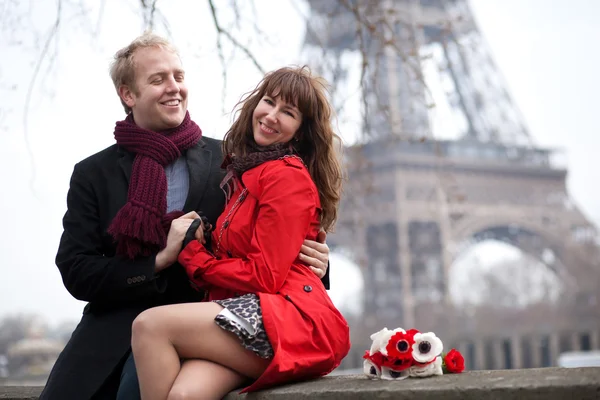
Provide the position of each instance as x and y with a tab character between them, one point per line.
381	339
435	368
427	347
391	375
371	370
376	338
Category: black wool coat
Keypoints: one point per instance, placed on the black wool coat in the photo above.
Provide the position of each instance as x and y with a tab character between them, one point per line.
117	289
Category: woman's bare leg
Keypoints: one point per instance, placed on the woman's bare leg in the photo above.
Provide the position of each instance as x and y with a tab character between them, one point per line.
164	335
200	379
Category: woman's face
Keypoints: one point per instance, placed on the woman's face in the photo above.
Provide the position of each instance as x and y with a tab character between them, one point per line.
275	121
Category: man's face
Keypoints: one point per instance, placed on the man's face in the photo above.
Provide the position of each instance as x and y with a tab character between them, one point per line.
160	99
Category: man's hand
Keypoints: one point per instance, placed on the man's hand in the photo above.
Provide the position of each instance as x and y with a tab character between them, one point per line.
167	256
316	254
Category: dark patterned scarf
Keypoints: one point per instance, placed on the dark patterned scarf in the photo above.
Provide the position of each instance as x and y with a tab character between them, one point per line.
258	155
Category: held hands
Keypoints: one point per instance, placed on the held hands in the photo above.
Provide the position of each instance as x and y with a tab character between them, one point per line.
201	225
177	233
191	232
190	226
316	254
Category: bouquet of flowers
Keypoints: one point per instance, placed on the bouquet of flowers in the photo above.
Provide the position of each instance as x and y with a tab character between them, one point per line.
398	354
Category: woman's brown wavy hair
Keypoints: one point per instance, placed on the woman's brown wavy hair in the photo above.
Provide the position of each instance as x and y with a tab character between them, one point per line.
315	142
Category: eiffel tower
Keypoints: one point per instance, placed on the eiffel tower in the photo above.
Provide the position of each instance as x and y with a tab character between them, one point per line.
414	203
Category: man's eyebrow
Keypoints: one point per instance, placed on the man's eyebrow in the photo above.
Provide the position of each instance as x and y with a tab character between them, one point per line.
163	73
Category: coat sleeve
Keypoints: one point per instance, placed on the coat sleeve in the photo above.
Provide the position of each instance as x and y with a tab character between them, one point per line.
87	272
286	207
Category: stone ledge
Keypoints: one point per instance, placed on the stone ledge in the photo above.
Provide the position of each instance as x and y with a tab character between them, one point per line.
530	384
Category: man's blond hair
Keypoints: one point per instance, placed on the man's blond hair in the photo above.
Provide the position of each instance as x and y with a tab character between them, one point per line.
122	69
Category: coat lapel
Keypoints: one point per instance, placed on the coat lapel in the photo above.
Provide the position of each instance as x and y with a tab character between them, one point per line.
126	162
198	160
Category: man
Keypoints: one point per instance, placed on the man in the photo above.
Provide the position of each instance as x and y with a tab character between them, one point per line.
119	208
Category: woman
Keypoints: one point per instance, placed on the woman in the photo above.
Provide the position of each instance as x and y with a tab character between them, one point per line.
270	319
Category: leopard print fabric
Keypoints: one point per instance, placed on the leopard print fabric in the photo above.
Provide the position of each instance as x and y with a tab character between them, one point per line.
248	308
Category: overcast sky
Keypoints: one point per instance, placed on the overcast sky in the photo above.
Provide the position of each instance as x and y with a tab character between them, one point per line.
546	50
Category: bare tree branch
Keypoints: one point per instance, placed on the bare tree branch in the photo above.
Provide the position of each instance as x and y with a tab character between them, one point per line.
100	17
236	12
149	13
233	40
258	31
365	61
378	24
220	53
152	12
50	37
165	22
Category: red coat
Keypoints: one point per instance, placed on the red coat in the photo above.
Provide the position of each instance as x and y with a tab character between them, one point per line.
308	334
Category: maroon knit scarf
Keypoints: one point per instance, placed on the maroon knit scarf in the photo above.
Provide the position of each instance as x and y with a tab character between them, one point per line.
141	225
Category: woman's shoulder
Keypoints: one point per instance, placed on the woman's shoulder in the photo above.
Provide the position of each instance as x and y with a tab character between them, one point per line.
289	172
286	168
283	163
278	169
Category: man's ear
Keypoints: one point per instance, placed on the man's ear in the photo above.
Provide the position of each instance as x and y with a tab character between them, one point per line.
127	95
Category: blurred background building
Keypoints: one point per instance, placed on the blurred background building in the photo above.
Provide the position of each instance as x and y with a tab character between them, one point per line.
29	349
415	203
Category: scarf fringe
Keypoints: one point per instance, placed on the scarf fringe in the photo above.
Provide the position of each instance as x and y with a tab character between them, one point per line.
137	231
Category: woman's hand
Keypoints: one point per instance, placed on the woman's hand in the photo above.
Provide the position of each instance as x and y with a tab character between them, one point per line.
316	254
177	232
192	231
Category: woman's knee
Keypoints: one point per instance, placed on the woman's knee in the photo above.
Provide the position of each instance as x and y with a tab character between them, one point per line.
147	323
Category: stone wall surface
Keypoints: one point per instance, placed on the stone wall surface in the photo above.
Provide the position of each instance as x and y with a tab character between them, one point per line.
529	384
